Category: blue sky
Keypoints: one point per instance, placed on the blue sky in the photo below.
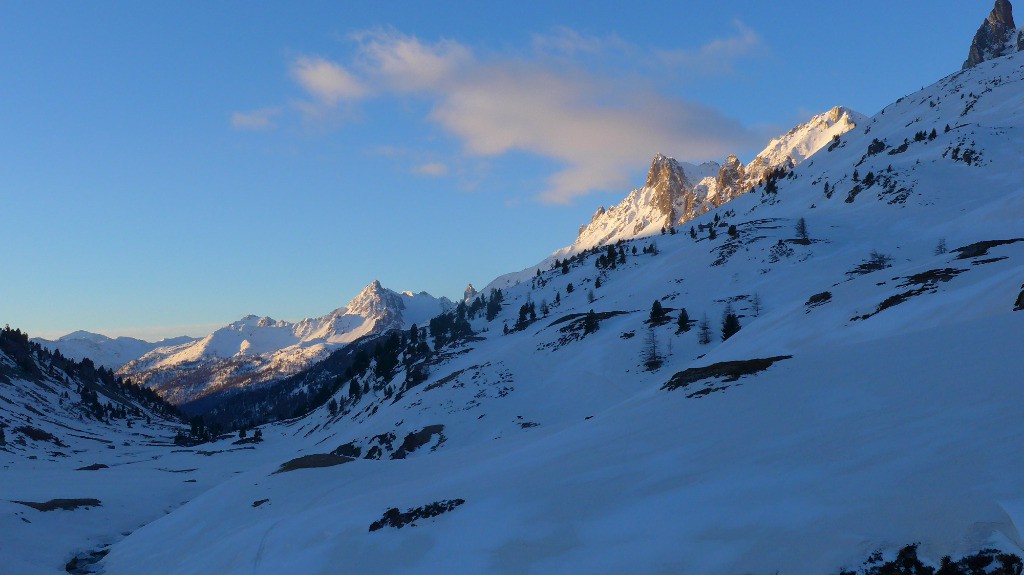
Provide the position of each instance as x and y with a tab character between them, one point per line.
171	167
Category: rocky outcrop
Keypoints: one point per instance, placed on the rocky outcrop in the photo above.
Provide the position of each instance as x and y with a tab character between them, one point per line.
671	190
998	36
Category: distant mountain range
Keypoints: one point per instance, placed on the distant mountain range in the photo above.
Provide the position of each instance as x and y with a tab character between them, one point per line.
256	350
106	351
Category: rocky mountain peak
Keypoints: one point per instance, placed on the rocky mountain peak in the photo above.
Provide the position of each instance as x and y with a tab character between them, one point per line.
470	293
668	183
997	36
731	174
374	300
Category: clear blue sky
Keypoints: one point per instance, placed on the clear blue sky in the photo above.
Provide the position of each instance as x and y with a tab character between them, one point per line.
168	167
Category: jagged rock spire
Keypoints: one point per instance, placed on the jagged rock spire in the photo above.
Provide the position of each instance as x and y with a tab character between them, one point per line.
998	36
669	185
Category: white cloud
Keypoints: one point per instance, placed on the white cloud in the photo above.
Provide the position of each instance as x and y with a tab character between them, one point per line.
431	169
601	130
262	119
405	64
326	81
601	123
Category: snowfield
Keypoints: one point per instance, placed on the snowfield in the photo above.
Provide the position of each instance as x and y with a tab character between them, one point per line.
871	400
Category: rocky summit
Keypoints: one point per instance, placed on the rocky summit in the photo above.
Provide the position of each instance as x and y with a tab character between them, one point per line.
997	36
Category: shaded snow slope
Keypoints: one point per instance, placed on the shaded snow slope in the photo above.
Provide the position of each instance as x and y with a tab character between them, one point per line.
56	426
888	414
870	400
255	350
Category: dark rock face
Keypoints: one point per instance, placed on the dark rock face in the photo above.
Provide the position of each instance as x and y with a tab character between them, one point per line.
397	519
997	36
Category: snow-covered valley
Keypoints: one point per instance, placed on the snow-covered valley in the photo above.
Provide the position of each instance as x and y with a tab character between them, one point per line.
569	418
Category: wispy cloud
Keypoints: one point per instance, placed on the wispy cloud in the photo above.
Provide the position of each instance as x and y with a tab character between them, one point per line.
405	64
564	41
718	56
598	122
327	84
431	169
261	119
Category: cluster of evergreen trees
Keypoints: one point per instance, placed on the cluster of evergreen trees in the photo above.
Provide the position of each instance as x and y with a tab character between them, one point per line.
651	357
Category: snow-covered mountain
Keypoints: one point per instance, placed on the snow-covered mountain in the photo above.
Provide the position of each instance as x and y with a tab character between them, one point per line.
676	192
255	350
106	351
864	418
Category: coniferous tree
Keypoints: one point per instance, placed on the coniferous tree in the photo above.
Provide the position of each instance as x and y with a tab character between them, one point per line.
683	322
801	230
597	282
730	323
651	356
755	304
569	288
494	305
657	311
704	331
940	248
590	296
544	308
590	324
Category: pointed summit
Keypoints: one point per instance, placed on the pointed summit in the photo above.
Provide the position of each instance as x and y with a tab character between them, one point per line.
676	192
668	184
469	294
998	36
